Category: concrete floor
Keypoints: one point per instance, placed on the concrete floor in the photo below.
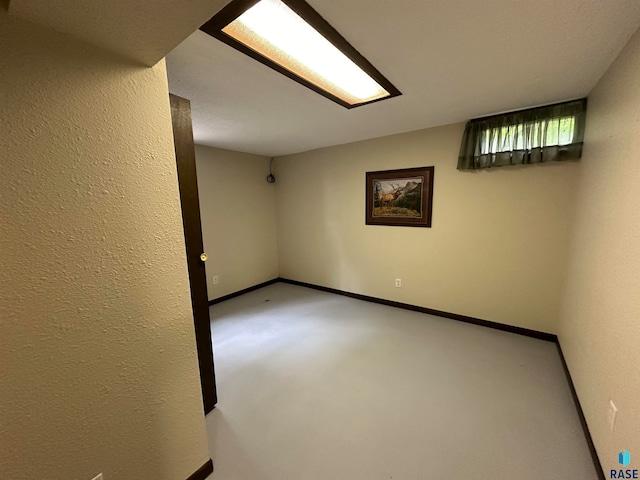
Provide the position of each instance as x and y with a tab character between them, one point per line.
316	386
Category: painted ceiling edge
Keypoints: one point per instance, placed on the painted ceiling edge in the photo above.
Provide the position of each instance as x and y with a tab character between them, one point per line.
234	9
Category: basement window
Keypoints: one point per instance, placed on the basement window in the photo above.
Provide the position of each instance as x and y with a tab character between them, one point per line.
293	39
538	135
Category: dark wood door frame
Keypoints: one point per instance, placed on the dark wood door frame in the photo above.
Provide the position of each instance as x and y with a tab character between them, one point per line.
187	179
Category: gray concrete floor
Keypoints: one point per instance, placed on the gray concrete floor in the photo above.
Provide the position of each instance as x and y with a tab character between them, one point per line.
316	386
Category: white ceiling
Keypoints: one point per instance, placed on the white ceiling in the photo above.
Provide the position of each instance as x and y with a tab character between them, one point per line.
452	60
142	30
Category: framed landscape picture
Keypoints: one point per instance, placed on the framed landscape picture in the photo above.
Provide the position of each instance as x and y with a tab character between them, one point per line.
400	197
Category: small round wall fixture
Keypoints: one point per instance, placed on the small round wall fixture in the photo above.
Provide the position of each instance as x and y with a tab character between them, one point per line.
270	177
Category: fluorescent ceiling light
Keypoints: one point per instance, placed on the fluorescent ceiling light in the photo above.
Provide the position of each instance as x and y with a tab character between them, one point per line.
306	49
277	32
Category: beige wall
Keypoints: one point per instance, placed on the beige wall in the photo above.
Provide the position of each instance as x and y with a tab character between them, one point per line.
98	367
600	328
497	249
238	219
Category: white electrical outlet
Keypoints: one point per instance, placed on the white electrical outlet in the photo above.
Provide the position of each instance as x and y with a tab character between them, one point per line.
398	283
611	415
216	280
99	477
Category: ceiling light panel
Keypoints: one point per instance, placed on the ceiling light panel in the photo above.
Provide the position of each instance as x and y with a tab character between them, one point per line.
292	38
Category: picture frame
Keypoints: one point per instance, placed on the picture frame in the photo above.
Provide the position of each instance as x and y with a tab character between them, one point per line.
401	198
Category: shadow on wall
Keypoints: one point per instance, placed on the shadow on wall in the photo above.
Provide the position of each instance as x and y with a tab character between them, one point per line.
515	168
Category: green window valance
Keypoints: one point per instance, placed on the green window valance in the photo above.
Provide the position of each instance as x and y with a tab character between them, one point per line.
537	135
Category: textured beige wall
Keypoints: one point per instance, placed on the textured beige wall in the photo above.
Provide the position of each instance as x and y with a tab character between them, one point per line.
600	328
238	219
497	249
98	367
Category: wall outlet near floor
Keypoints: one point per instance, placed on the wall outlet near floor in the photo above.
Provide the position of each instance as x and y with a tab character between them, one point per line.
216	280
98	477
611	415
398	283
